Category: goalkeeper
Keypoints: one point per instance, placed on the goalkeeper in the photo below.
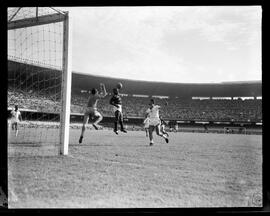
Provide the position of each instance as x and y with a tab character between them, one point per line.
91	109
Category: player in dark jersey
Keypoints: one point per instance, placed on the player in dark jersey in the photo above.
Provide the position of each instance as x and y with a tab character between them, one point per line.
116	101
162	126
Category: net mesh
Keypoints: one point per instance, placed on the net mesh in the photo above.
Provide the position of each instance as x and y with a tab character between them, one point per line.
35	56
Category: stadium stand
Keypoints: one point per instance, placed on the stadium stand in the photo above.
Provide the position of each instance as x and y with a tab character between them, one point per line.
32	101
180	105
187	109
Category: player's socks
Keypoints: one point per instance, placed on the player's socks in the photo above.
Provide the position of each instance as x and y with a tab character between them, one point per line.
164	135
81	138
115	128
122	127
95	126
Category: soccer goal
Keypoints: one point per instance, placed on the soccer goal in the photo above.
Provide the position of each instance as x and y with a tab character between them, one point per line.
39	77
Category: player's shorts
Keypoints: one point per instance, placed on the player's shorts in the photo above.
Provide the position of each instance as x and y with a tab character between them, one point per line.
117	108
90	111
146	125
154	122
14	121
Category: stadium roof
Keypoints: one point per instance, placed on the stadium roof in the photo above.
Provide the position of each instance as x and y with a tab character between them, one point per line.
226	89
234	89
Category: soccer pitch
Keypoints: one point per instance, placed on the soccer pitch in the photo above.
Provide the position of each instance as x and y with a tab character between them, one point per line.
123	171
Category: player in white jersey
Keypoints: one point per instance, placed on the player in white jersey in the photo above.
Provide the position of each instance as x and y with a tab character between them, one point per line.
16	117
154	122
91	109
146	125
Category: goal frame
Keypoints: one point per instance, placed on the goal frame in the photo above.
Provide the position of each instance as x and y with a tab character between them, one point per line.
64	17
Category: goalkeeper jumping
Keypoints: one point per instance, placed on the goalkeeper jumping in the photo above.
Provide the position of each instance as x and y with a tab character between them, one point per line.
91	109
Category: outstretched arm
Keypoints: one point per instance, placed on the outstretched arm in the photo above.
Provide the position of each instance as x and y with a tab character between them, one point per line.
103	90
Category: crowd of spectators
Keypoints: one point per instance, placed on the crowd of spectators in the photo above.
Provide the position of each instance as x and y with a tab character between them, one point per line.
31	100
215	110
208	110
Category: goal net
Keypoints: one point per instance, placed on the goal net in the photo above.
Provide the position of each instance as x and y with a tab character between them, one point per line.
39	80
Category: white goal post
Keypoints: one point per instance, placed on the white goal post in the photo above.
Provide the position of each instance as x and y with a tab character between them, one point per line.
66	87
40	18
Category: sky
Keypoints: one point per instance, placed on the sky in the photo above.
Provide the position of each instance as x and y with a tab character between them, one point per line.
195	44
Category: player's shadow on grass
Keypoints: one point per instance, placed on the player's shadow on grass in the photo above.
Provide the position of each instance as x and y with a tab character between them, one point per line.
35	156
89	144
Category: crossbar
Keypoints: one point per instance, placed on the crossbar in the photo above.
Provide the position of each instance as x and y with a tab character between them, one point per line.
41	20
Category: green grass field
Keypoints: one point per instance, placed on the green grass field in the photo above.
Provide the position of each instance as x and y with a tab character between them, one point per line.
110	171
